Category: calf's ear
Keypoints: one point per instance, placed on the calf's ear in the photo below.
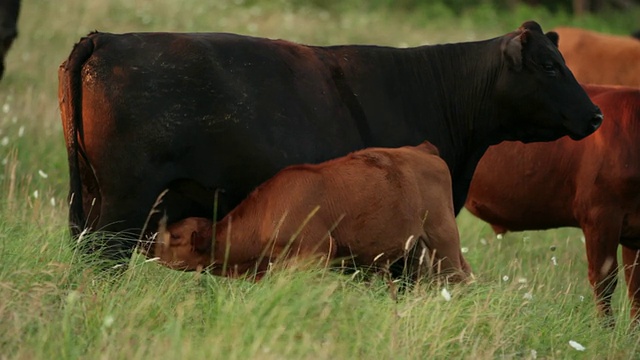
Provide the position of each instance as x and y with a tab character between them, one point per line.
200	243
554	37
512	49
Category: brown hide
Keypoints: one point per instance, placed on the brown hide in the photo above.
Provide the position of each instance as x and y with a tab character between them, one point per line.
363	207
596	58
592	184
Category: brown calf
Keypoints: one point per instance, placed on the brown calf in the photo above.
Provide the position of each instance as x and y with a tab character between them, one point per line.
593	184
596	58
363	207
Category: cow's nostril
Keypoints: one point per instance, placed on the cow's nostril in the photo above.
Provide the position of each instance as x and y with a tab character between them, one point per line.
596	121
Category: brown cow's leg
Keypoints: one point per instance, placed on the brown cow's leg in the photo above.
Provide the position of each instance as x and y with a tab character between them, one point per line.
602	236
443	240
465	265
630	259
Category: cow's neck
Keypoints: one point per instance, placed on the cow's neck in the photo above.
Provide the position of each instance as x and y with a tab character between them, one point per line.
460	79
232	229
456	84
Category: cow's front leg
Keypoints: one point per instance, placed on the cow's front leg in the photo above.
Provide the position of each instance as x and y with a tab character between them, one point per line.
631	259
602	235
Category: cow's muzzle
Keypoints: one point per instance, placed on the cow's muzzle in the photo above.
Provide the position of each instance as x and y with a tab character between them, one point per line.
593	125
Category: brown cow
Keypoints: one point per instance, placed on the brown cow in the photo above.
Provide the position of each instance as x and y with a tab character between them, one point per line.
596	58
592	184
369	206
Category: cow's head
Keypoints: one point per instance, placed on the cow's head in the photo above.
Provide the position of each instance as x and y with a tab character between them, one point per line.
185	245
541	99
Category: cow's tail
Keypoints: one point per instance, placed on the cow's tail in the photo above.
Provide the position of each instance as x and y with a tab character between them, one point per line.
70	101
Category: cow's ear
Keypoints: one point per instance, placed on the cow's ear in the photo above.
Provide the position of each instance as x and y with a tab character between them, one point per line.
554	37
513	50
199	243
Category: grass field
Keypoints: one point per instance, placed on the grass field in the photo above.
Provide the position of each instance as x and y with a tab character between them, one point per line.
529	301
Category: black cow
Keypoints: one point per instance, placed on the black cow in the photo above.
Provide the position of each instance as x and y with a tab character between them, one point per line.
9	10
143	112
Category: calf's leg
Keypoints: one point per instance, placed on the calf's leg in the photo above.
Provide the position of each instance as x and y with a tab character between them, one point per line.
443	241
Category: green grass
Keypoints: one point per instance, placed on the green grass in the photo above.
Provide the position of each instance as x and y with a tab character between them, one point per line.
54	304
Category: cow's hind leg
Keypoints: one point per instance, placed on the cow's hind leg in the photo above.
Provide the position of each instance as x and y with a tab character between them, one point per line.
631	259
126	218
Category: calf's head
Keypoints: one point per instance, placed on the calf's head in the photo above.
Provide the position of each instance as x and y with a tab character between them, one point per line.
185	245
538	96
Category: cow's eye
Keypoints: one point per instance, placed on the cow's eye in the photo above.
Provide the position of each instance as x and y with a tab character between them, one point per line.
549	69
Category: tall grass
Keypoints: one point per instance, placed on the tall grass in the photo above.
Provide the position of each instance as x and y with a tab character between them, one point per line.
528	300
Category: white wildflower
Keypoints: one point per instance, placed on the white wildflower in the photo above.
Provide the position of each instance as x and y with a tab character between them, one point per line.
6	108
582	239
445	294
522	280
505	278
534	354
43	174
464	250
527	296
53	201
5	141
483	241
554	261
499	236
581	298
35	194
21	131
576	345
108	321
